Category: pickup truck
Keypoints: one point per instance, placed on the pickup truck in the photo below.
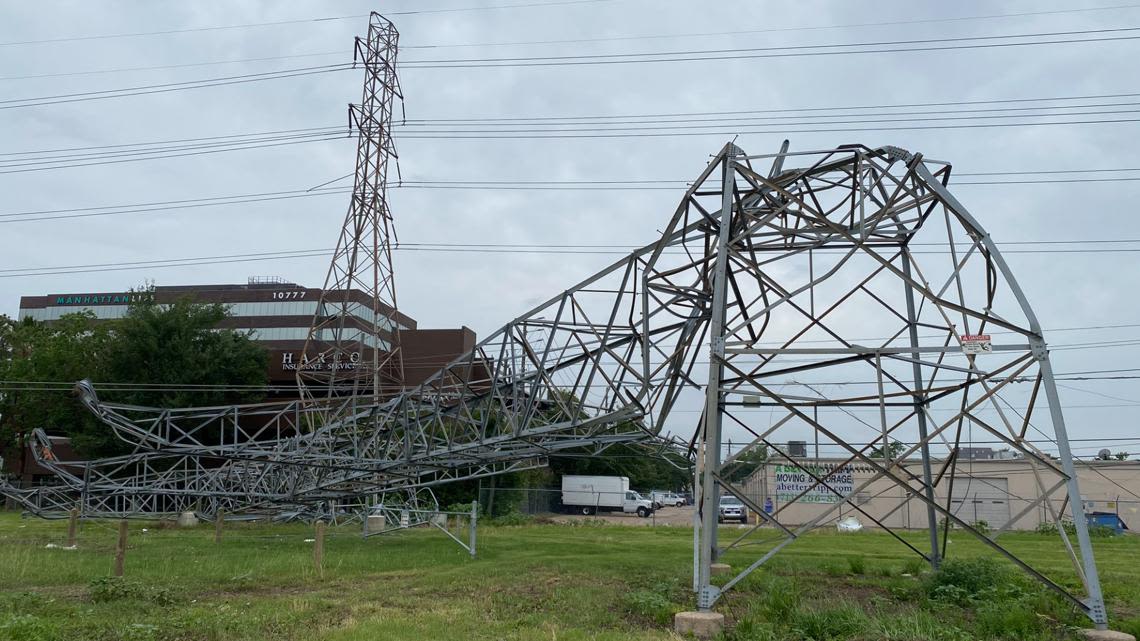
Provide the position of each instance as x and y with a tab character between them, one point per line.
661	499
731	509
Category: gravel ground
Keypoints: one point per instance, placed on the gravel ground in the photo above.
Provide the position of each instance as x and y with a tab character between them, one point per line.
671	516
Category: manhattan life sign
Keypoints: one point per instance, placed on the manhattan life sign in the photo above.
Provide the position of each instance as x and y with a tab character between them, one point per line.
792	481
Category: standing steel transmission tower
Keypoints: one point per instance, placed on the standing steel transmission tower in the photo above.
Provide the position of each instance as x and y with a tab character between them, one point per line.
353	346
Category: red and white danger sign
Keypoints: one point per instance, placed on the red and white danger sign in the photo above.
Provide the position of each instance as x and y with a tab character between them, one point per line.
977	344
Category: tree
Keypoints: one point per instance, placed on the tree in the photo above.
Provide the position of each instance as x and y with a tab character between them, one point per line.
893	450
39	363
176	346
1121	456
745	464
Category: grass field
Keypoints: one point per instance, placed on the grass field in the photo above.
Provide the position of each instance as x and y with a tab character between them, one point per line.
549	582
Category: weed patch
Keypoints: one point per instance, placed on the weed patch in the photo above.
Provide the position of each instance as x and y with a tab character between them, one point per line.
106	589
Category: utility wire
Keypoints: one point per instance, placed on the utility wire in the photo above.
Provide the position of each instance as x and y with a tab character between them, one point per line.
412	247
504	44
771	29
792	51
596	59
248	25
139	90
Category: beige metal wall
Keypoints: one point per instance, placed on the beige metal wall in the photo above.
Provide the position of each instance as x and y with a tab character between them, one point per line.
995	491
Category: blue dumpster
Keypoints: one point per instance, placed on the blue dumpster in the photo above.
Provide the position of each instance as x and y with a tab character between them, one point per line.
1107	519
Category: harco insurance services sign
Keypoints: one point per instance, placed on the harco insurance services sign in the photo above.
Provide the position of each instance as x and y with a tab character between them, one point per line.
791	481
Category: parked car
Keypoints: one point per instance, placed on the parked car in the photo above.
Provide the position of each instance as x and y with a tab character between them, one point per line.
731	509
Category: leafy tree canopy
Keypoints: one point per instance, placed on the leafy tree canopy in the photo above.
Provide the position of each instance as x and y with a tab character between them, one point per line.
174	345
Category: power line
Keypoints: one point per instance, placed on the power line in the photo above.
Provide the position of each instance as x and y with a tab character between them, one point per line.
420	247
213	201
772	30
446	135
504	44
676	56
163	153
794	51
248	25
668	119
139	90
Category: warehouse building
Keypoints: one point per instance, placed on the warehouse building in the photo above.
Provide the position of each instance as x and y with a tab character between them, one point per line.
999	491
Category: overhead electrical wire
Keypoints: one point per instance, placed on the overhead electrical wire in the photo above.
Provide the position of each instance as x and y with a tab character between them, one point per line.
788	51
215	201
599	59
742	32
580	126
139	90
419	247
406	46
275	23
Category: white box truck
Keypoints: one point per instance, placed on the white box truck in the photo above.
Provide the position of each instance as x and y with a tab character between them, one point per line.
593	494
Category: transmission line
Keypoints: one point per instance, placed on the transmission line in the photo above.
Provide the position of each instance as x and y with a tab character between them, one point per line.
248	25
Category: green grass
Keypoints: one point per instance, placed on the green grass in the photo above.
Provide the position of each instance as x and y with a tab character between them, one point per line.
544	582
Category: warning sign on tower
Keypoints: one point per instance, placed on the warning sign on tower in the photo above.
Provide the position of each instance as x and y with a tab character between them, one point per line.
977	344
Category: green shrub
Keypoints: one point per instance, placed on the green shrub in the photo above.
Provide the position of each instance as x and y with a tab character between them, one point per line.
111	588
857	565
960	580
651	605
1096	531
655	602
511	519
982	526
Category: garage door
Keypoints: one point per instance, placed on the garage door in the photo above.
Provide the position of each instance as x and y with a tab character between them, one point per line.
981	499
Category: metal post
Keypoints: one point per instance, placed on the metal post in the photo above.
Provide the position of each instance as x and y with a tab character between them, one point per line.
920	413
121	548
710	499
471	527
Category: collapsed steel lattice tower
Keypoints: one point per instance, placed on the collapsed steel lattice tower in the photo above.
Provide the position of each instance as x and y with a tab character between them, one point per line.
354	347
808	262
784	273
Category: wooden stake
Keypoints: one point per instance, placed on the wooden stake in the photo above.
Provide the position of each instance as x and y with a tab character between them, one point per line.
319	549
121	548
72	527
218	517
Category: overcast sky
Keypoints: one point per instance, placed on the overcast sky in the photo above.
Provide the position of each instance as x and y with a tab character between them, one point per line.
483	290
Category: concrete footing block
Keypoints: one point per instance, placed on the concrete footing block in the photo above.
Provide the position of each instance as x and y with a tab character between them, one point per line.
187	519
1105	635
720	568
702	625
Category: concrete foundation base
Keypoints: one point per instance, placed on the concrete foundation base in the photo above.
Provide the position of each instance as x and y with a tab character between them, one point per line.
187	519
702	625
720	568
1105	635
